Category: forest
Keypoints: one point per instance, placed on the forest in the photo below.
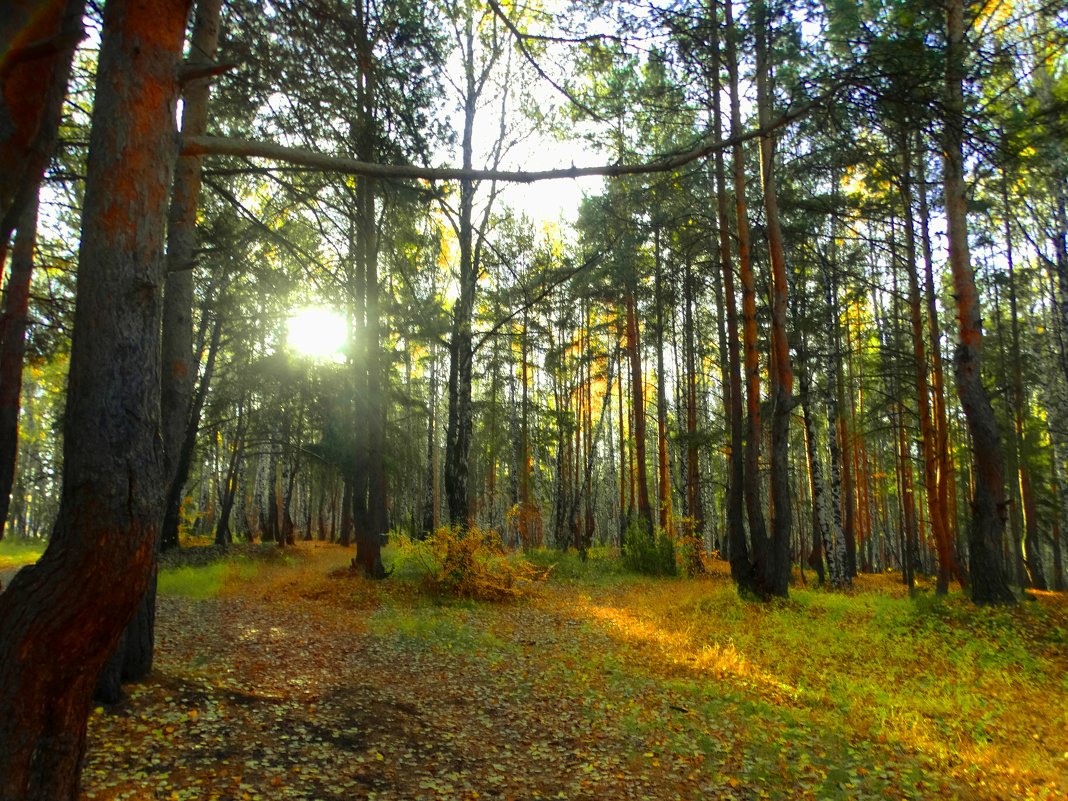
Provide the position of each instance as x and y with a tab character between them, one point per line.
515	399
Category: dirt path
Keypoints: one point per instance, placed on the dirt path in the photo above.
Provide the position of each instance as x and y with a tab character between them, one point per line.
267	700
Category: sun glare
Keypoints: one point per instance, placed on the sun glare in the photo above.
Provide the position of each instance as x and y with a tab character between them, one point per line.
318	332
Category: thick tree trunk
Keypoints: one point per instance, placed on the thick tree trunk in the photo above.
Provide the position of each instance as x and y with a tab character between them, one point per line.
60	618
31	104
988	500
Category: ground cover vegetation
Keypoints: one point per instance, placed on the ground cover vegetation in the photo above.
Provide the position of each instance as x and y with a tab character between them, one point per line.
294	677
801	322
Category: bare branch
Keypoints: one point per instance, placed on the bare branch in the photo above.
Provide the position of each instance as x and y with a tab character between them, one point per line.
221	146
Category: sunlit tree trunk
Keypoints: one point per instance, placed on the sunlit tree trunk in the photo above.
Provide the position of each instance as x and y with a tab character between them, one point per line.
60	618
988	500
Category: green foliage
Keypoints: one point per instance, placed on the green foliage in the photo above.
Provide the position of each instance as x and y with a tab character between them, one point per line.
601	565
17	552
205	581
651	554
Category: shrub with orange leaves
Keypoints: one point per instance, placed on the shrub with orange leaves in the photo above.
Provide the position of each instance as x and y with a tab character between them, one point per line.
472	564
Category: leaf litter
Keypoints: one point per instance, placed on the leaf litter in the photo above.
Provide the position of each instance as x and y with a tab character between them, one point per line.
292	685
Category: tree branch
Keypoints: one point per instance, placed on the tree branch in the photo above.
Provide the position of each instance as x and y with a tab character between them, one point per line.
222	146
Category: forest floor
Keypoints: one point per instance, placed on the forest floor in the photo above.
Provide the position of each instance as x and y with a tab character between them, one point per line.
286	677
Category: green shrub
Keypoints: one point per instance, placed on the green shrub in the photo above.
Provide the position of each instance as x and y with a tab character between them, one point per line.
649	553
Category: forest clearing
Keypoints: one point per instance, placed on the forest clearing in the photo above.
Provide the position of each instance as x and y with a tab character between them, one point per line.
282	675
689	378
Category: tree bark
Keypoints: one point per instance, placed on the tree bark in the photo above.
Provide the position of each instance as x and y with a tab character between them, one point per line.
60	618
919	364
988	500
37	42
13	325
751	479
774	569
740	559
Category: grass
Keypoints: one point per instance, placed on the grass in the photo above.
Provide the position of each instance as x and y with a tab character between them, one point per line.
17	552
207	581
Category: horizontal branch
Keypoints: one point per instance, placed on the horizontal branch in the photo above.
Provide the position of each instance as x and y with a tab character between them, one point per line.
220	146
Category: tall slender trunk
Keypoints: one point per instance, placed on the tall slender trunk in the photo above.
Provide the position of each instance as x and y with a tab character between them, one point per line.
637	412
740	561
1032	550
751	474
988	500
919	363
939	421
663	465
13	325
694	505
775	572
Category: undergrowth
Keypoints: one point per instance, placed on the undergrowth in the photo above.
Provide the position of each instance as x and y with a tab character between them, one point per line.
465	564
17	552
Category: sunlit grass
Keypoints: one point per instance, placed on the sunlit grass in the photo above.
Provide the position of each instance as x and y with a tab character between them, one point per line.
968	689
17	552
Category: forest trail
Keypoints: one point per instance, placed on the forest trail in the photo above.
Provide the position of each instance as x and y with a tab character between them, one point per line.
293	684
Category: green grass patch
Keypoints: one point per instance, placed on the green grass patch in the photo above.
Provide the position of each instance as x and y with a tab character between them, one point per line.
602	565
17	552
452	626
206	581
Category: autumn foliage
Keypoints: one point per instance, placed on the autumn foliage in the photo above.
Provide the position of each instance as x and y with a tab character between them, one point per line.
469	564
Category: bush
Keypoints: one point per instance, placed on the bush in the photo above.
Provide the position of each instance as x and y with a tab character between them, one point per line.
467	564
650	553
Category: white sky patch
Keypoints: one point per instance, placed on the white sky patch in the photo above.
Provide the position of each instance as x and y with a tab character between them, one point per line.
318	332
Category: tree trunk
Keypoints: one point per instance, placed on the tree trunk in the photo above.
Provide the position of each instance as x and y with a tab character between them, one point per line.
751	474
988	500
774	570
13	326
178	368
919	364
33	86
1032	550
663	483
637	412
939	422
60	618
738	547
